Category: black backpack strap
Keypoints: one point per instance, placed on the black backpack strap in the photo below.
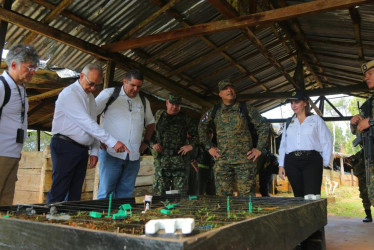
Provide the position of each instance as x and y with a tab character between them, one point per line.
216	107
7	93
112	98
142	97
244	112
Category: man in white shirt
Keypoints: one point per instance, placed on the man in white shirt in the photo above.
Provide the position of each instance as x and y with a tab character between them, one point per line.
124	116
22	61
75	131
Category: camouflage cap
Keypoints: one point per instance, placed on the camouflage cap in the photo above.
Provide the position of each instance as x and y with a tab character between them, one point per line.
223	84
298	95
366	66
174	98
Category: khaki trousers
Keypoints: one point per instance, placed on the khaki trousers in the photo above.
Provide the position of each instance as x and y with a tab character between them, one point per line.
8	178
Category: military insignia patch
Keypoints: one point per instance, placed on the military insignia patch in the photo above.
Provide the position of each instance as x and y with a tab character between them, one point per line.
205	117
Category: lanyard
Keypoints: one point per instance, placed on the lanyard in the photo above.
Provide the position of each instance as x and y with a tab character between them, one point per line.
23	101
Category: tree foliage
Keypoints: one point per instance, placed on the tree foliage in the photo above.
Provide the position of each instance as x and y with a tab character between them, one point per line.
31	140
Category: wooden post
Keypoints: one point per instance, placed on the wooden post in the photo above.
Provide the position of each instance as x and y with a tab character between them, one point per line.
109	74
38	139
341	171
4	27
352	179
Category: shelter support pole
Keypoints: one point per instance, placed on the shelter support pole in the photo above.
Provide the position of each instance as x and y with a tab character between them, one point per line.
4	27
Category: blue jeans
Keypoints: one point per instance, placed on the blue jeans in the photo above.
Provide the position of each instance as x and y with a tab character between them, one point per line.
117	176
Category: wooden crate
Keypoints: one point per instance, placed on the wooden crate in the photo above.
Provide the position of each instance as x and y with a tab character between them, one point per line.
35	178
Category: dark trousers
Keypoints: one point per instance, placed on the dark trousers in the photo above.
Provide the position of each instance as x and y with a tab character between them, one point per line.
206	181
304	173
69	165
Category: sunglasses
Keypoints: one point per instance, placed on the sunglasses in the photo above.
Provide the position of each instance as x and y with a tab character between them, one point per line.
91	84
32	69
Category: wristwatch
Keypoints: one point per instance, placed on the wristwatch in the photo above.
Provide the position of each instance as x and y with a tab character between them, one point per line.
371	122
207	147
146	142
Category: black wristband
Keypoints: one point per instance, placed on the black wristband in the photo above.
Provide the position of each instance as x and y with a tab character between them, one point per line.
146	142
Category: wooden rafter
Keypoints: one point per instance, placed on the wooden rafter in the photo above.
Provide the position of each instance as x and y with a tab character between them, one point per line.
69	15
231	13
215	48
120	60
159	12
356	19
315	92
50	17
237	23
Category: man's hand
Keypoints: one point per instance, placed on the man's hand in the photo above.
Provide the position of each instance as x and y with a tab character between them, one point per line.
157	147
363	124
253	154
213	151
93	161
282	173
185	149
356	119
120	147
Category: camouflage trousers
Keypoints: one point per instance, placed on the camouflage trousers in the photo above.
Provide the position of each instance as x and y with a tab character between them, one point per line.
370	187
235	177
170	174
359	169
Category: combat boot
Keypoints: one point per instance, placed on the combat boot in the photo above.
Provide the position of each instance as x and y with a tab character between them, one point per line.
368	216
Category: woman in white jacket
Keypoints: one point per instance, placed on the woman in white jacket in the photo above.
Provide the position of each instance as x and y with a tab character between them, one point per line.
306	147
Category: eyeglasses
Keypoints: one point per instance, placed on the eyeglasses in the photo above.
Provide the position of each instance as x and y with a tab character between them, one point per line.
32	69
91	84
130	105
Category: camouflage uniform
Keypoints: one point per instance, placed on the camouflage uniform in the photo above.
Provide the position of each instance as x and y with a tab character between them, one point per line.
171	169
370	187
358	165
233	169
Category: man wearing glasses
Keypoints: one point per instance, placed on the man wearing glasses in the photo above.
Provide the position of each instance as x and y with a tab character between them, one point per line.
125	117
22	61
75	131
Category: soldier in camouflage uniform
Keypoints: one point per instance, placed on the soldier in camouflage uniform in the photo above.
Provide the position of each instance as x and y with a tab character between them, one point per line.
175	135
234	153
363	122
358	164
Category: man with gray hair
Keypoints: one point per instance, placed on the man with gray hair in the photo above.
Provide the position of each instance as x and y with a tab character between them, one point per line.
75	131
22	61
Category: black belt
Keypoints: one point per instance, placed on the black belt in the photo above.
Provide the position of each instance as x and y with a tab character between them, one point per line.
65	138
299	153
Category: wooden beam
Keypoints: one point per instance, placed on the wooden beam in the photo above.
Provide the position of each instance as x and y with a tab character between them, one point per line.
356	19
45	95
120	60
69	15
50	17
236	23
4	27
315	92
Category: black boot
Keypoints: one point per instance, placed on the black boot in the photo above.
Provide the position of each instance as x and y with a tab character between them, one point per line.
368	216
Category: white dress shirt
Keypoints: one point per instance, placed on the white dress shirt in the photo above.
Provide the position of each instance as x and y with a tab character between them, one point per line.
124	119
75	117
10	119
312	134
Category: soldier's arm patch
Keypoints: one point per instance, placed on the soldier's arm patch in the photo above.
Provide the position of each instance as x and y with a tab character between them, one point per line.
205	117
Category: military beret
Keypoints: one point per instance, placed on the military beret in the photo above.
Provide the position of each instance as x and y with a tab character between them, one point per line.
366	66
174	98
223	84
298	95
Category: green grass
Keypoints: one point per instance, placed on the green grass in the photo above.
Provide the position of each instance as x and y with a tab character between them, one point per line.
345	202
